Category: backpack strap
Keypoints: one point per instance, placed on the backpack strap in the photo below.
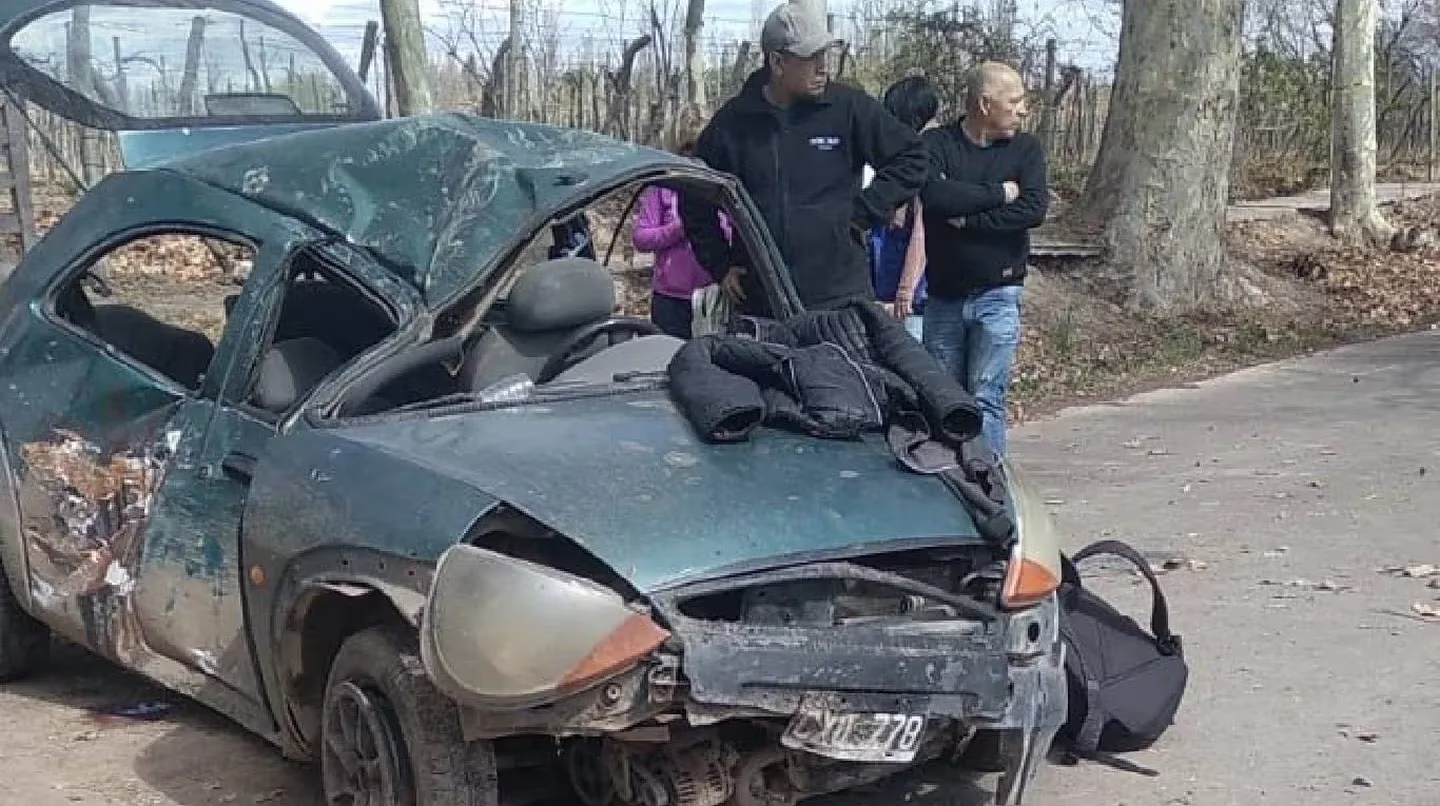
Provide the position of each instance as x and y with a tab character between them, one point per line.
1167	642
1087	736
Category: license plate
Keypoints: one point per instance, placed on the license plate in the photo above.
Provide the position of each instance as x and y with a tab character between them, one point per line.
856	737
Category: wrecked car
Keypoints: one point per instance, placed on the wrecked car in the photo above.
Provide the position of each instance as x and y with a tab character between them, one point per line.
399	487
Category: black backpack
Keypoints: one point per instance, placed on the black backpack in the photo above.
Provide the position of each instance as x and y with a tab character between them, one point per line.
1125	684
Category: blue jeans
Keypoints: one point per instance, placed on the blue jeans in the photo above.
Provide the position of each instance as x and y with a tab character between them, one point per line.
975	339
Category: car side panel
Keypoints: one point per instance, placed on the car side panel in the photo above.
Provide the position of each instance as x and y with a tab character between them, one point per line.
325	510
92	438
88	433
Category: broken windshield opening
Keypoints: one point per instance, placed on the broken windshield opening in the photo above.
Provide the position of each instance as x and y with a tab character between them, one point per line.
158	62
559	323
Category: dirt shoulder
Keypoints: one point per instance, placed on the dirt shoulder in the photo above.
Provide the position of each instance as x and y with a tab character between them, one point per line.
1303	292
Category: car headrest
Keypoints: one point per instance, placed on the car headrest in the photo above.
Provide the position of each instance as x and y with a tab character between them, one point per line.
289	370
561	294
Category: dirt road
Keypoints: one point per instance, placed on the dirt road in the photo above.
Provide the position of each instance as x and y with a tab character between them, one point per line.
1314	682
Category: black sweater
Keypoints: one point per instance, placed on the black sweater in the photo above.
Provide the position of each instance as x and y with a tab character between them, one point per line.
802	167
967	181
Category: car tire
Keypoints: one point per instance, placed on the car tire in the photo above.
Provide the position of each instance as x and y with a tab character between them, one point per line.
387	730
24	642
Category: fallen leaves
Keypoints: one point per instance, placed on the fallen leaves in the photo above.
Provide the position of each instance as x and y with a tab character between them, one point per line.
183	258
1426	610
1178	563
1420	611
1329	585
1420	571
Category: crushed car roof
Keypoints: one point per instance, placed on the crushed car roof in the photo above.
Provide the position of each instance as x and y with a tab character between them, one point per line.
438	198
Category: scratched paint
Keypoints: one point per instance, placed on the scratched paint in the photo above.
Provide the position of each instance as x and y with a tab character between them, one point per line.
85	556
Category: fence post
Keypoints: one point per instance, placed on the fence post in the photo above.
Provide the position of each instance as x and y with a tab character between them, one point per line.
1431	167
1047	115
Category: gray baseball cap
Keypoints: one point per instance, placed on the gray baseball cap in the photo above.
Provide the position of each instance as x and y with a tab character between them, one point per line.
792	29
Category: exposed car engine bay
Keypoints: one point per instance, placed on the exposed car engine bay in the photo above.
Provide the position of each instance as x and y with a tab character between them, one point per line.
801	681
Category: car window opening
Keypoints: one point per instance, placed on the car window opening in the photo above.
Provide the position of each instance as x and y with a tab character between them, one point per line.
157	300
562	322
325	321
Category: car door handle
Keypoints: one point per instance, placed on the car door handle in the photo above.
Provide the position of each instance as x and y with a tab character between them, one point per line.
239	465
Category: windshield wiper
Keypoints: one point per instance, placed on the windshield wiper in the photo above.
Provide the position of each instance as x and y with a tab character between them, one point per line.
520	391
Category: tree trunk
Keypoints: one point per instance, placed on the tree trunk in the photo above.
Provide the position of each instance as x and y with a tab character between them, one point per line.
1052	99
1354	215
81	67
1160	184
694	60
190	75
252	81
621	88
406	56
514	62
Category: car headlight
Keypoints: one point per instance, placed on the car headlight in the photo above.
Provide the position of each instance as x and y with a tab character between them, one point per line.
1033	572
505	633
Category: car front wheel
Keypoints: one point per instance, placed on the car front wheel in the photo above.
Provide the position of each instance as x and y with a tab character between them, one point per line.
24	642
390	739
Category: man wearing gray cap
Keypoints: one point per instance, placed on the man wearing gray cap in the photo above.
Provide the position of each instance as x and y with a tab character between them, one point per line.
798	144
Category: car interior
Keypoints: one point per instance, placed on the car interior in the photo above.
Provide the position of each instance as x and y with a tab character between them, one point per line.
180	354
559	322
324	322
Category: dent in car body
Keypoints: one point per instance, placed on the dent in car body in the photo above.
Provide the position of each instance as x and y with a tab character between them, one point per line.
83	557
438	199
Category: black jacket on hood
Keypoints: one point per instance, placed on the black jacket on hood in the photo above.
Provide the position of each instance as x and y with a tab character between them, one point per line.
802	167
834	374
837	374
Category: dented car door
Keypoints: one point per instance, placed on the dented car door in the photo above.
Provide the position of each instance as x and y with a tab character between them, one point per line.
130	547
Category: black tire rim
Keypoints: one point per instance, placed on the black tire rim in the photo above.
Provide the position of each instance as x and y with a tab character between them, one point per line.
363	758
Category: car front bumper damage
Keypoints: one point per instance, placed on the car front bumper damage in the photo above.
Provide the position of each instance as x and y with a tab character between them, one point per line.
771	687
1005	674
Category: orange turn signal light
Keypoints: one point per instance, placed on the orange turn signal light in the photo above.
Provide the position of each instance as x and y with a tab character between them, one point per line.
1027	583
635	638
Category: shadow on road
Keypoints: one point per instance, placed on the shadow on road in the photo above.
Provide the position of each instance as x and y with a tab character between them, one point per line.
187	753
202	764
938	784
192	756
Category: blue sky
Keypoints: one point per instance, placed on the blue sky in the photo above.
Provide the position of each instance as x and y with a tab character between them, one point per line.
1085	28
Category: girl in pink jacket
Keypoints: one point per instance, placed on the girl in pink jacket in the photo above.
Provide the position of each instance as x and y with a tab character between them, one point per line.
659	230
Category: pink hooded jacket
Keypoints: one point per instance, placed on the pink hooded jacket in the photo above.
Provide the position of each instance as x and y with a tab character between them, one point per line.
658	229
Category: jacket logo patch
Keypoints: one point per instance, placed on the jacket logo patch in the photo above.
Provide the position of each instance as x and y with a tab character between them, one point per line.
825	142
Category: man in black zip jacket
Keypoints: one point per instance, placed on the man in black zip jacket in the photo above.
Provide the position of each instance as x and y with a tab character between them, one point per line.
987	190
798	144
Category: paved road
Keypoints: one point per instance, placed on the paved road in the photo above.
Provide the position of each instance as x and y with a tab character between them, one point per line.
1318	470
1322	470
1319	200
1047	244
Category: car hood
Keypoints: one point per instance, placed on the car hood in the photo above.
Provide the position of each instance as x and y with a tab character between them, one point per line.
625	477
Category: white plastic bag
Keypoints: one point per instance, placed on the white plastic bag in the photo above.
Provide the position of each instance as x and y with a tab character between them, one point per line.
710	311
